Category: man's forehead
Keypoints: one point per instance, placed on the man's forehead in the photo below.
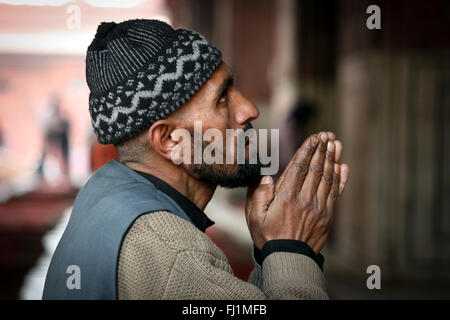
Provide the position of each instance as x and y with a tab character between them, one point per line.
224	71
226	68
217	81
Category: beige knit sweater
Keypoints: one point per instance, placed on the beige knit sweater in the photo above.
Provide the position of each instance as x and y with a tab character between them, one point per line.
166	257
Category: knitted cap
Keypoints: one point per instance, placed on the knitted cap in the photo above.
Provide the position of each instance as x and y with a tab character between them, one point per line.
139	71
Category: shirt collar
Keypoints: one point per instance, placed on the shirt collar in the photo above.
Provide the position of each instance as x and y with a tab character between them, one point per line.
197	216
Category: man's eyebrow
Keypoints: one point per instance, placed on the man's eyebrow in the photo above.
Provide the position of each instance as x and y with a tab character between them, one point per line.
229	80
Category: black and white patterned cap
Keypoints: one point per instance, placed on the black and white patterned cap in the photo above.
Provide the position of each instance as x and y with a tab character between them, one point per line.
139	71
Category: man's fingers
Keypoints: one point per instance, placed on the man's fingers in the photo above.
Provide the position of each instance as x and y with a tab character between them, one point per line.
295	173
315	172
334	192
345	172
331	136
338	151
260	199
249	201
327	177
280	180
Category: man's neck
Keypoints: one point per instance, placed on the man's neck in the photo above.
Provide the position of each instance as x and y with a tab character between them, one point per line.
195	190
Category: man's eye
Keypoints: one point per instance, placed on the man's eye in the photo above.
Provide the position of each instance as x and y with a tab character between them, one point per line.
223	97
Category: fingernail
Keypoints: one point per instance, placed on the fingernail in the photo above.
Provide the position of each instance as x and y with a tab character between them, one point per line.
332	134
330	146
337	168
266	180
314	141
324	137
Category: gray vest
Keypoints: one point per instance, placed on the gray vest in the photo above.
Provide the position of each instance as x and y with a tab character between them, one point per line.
84	265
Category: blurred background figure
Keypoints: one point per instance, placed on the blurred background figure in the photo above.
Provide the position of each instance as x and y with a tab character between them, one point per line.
309	66
54	163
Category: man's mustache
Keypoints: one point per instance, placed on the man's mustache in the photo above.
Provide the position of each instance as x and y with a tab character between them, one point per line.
248	126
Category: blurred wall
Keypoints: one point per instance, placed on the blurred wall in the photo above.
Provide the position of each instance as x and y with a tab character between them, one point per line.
386	94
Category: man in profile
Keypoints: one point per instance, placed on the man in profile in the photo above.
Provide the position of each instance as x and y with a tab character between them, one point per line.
137	226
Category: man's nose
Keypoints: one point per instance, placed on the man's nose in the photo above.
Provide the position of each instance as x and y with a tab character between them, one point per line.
244	110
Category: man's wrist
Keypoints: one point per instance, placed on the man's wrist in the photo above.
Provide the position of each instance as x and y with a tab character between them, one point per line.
286	245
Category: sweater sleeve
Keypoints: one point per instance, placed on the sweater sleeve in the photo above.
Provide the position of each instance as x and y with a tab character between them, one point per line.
255	276
165	257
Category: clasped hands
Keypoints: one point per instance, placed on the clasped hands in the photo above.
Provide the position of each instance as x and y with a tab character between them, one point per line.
301	204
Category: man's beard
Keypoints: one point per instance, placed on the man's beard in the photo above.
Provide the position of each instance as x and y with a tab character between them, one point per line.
229	175
245	175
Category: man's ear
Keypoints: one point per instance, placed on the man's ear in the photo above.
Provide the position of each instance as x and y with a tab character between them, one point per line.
160	139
